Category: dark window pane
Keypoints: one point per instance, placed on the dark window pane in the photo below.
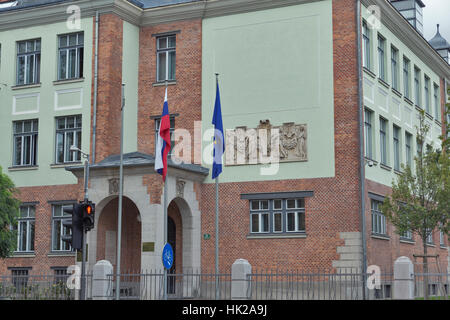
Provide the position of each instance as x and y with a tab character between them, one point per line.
290	221
63	64
277	222
255	223
265	222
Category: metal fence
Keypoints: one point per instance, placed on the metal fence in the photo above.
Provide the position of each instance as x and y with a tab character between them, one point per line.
437	285
193	284
344	284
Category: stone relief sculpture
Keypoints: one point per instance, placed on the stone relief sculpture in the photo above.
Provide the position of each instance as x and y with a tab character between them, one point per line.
247	146
180	188
113	186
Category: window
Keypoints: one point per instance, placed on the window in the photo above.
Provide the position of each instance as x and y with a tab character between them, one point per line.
366	45
381	58
68	133
394	67
427	95
396	139
295	215
378	218
70	56
383	141
19	277
417	86
25	135
441	238
406	79
25	229
276	216
28	62
259	216
58	230
172	135
368	133
165	58
429	239
437	109
408	149
407	235
61	275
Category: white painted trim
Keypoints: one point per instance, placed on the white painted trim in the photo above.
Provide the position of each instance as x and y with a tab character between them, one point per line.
79	106
27	95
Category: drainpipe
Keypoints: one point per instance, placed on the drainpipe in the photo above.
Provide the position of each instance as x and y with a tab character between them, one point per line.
94	124
361	150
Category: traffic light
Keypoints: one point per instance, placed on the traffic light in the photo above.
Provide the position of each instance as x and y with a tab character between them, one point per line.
75	237
88	209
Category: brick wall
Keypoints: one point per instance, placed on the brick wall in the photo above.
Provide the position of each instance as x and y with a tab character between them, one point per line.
43	258
383	252
109	86
185	96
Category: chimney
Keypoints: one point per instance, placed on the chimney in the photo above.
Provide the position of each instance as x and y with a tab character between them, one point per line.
412	10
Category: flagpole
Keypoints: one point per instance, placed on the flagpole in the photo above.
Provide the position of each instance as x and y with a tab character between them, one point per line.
217	225
119	218
165	221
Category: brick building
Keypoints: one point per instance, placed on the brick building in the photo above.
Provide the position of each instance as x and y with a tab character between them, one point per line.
291	65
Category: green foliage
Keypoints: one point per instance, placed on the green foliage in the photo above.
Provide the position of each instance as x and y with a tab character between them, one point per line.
9	211
420	199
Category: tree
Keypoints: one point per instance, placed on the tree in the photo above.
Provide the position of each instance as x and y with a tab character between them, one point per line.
419	202
9	211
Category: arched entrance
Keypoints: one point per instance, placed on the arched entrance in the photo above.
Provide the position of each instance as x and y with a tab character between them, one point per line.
175	239
130	261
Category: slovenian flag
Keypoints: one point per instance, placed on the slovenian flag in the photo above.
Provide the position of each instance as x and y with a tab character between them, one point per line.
219	143
163	143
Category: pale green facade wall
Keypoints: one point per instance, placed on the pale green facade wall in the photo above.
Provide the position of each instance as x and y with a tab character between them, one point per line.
274	64
44	102
130	70
384	102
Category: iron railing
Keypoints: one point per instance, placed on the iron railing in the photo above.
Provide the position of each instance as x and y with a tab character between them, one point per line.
193	284
344	284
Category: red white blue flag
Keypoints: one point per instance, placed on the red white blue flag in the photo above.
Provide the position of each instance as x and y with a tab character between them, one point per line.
163	143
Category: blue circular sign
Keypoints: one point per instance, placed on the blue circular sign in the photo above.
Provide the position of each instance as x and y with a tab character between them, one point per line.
167	256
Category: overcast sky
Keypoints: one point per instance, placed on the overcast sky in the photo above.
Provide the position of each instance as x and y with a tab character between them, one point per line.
436	11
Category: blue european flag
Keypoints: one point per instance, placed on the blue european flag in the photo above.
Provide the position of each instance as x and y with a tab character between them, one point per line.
219	141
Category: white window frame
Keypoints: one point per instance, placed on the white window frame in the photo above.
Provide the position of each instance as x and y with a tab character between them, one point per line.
33	55
28	220
378	219
166	51
63	246
69	156
33	135
79	52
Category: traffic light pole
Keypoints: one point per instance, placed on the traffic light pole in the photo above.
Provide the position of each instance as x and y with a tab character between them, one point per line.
83	248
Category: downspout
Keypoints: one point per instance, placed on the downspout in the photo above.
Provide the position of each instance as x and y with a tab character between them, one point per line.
94	124
361	150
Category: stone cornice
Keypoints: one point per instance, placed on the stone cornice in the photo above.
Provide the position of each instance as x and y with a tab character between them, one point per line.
402	29
56	12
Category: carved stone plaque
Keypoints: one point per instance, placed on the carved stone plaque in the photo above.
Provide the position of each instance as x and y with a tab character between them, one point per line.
180	188
113	186
284	143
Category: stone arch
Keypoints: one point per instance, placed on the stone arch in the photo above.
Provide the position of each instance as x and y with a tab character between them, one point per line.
106	244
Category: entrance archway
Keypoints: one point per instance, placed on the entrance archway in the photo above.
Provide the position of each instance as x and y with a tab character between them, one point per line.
130	261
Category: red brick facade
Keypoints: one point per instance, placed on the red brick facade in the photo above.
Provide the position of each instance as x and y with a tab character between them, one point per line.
384	252
43	258
184	98
333	208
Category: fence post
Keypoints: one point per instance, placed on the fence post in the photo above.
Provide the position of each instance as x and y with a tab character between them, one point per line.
403	278
101	283
239	281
